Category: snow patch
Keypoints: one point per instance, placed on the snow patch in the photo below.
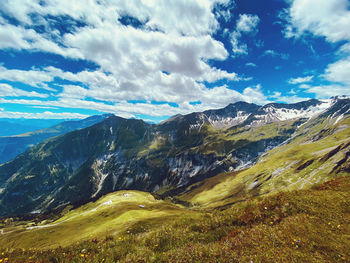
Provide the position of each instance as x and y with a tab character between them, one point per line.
225	122
338	119
282	114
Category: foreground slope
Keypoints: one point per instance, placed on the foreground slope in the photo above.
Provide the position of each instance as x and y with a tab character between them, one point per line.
293	226
109	215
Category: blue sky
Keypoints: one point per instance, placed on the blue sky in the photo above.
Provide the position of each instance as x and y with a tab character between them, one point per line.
152	59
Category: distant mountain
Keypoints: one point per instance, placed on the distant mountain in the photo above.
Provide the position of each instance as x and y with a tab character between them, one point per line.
122	153
11	146
11	127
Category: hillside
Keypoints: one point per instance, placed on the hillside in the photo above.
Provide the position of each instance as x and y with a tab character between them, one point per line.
293	226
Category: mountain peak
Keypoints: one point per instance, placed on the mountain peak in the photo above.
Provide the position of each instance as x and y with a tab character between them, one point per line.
239	104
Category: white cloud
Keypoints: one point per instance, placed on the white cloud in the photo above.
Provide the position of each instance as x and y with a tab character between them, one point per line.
42	115
217	97
277	96
225	13
8	91
339	71
138	54
247	23
270	52
327	18
326	91
273	53
132	61
250	64
255	95
44	107
345	49
19	38
35	78
238	48
300	80
196	16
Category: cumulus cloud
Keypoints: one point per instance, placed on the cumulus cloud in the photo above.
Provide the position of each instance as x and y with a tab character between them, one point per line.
238	48
277	96
163	59
247	23
345	49
329	19
36	78
216	97
300	80
8	91
136	54
166	59
250	64
41	115
21	38
339	71
225	10
273	53
44	107
326	91
255	95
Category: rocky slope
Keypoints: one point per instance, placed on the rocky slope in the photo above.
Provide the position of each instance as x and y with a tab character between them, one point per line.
131	154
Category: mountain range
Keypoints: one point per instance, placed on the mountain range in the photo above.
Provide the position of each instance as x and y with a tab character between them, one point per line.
11	146
11	127
175	156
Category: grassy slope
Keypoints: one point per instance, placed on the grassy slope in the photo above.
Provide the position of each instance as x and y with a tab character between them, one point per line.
278	170
293	226
208	140
107	216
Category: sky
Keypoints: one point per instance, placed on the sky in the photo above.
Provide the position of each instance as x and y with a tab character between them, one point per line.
151	59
